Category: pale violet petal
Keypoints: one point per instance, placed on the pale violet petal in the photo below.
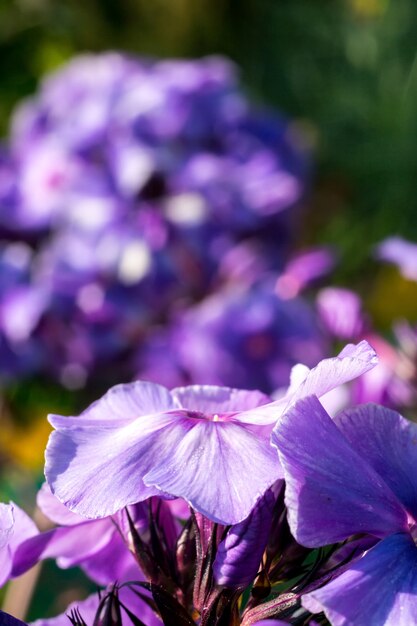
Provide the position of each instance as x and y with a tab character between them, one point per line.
211	400
130	400
331	492
54	510
96	467
220	468
352	361
388	442
378	589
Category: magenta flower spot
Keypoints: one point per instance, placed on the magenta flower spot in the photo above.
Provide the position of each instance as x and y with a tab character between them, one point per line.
401	253
341	312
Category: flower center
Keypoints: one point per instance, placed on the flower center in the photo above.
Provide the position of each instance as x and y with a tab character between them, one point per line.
198	415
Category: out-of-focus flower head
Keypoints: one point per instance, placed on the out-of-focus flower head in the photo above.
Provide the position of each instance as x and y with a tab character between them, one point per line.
251	338
402	253
130	182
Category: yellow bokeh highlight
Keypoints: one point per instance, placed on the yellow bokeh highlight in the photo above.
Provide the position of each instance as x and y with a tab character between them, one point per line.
369	8
24	445
393	297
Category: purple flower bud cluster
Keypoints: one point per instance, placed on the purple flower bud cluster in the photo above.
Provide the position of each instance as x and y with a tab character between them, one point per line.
213	506
129	190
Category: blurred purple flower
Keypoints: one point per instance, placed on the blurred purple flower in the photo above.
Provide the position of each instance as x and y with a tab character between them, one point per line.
402	253
141	440
341	312
302	270
130	181
250	338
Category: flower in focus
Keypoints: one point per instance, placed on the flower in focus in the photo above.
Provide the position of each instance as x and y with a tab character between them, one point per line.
402	253
208	445
355	475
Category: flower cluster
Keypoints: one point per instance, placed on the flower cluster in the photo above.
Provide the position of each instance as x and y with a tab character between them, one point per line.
213	506
129	190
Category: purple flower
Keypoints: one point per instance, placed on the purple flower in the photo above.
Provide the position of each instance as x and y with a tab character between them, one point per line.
201	443
250	339
402	253
141	440
15	527
9	620
129	180
100	547
355	475
303	269
341	312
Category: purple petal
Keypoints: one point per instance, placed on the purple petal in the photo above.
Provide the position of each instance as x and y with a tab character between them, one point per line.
54	509
238	558
210	399
352	361
114	562
87	609
302	270
15	527
126	402
220	468
95	467
331	492
379	589
24	527
71	545
107	449
402	253
388	442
